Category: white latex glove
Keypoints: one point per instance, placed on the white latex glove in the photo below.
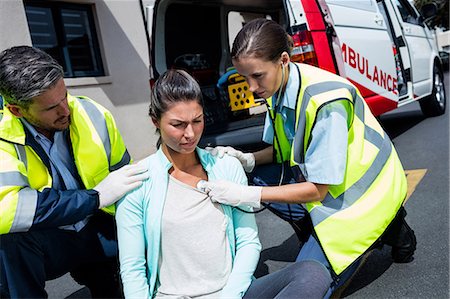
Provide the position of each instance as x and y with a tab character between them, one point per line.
119	182
247	159
232	194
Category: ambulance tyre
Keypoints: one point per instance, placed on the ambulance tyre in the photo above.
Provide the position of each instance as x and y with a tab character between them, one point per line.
434	105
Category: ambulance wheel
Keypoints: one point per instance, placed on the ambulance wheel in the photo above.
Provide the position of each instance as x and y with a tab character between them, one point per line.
434	105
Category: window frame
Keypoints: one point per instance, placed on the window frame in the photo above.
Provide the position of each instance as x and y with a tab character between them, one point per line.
412	16
62	42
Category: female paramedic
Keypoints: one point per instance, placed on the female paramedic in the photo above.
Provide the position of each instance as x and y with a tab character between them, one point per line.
174	242
336	164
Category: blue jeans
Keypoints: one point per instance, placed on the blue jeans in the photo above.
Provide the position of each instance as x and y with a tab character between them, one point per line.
269	175
307	279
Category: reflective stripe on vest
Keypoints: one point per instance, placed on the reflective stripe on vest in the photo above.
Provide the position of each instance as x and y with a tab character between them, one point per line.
374	185
13	178
281	144
21	154
26	208
299	145
23	202
99	122
352	194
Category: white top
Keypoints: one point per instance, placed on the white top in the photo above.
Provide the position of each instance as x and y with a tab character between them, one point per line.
195	255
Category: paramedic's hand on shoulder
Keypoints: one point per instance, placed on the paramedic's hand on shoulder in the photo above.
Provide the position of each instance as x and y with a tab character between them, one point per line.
120	182
232	194
247	159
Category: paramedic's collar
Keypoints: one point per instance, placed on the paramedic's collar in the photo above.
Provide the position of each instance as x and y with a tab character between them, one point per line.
289	98
36	135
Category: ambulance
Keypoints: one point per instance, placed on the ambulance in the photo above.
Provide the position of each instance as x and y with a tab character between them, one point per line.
384	47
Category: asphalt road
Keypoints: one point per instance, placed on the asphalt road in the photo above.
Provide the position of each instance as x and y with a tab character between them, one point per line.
422	144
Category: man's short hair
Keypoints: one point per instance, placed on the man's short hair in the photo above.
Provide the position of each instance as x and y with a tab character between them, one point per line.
27	72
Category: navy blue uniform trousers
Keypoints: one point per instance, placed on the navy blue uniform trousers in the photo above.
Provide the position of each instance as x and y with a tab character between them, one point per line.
30	258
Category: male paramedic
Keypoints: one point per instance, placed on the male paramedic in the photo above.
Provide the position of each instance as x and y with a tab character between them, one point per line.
63	166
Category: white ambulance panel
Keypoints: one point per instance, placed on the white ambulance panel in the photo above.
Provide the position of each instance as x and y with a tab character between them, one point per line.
367	48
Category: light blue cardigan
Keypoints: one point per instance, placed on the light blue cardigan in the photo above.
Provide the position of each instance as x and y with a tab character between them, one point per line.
138	219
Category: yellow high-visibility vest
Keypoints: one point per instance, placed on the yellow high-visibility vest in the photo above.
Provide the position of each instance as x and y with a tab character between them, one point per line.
97	147
354	214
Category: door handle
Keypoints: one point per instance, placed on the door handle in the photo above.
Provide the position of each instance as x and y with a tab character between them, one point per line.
378	20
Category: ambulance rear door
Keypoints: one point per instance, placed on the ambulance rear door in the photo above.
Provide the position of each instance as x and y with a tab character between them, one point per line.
147	7
368	51
420	48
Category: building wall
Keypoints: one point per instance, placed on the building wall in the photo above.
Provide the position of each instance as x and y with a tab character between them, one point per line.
12	15
124	90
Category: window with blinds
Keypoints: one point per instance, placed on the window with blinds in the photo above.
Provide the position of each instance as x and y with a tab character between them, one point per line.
66	31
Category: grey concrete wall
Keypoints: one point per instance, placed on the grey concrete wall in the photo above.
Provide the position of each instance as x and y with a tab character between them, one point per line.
124	89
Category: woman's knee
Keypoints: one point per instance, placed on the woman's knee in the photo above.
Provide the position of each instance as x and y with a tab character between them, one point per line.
310	278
